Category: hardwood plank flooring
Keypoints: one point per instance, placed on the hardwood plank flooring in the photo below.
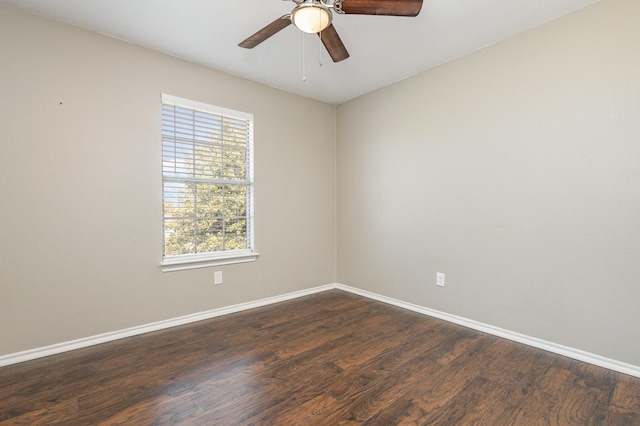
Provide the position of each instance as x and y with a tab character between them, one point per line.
329	359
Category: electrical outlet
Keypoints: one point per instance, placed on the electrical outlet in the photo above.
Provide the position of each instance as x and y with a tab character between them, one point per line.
440	279
217	277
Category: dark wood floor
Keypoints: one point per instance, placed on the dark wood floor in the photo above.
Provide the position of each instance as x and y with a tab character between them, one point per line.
328	359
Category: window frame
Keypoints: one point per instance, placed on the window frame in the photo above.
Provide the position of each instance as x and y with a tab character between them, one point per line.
217	258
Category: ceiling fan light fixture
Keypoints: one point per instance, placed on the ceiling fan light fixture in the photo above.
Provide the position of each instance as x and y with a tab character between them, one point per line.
311	17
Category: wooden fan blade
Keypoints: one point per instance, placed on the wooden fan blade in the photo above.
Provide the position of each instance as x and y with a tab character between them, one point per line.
333	44
382	7
271	29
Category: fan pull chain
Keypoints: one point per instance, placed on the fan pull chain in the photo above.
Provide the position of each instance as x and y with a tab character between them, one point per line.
304	67
320	50
320	44
304	71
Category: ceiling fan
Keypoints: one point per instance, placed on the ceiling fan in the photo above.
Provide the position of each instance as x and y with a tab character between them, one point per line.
315	16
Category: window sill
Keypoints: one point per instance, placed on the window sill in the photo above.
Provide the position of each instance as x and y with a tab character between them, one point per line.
179	263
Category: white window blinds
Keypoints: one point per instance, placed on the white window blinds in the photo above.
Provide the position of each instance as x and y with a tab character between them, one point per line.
207	179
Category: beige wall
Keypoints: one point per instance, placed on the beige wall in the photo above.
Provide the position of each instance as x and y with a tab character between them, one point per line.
516	171
80	201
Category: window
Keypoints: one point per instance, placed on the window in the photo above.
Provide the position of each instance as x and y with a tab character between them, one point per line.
207	185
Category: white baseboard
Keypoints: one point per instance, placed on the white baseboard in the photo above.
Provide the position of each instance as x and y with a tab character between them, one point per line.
611	364
58	348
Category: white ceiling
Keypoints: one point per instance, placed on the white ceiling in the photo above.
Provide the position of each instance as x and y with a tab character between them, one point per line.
383	49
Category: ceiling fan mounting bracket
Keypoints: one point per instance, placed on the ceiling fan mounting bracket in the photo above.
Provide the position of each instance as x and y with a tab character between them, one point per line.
336	5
